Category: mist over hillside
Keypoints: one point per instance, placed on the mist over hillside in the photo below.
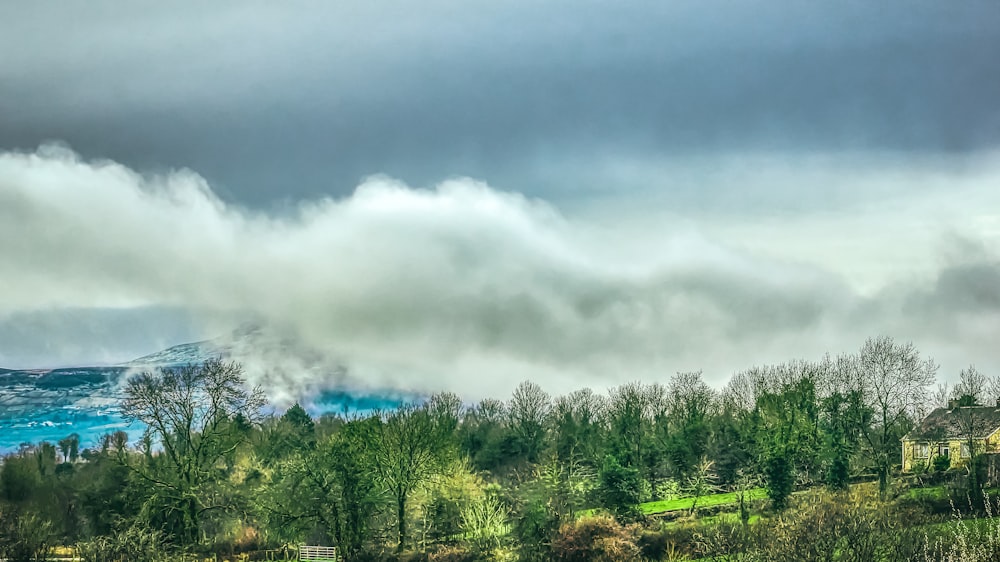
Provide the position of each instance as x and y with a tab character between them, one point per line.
49	404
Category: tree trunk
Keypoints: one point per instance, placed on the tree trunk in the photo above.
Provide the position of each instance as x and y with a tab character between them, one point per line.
401	517
191	521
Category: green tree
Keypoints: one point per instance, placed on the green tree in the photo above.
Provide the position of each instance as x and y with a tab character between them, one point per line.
69	446
578	433
528	413
24	537
690	406
632	409
620	489
779	476
483	435
352	458
843	417
787	435
409	448
19	478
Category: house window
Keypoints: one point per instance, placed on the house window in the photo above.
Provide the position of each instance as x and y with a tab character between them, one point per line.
921	450
943	449
965	451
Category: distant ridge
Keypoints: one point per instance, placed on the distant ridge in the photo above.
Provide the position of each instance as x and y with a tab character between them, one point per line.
185	353
201	351
48	404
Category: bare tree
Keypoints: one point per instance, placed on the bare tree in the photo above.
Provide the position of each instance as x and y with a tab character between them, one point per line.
975	419
972	388
192	413
702	482
894	380
941	396
688	395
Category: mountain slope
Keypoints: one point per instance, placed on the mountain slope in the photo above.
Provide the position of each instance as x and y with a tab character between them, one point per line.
49	404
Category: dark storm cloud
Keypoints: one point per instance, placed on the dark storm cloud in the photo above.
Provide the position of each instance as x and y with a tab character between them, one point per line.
281	101
657	186
968	284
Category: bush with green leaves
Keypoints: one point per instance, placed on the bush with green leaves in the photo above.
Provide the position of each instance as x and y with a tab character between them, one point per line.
843	526
485	524
132	544
941	463
779	478
620	489
24	537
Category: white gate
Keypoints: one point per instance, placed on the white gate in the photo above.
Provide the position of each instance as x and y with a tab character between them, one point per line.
307	552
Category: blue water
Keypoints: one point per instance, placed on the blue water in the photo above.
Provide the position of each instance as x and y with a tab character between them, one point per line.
49	405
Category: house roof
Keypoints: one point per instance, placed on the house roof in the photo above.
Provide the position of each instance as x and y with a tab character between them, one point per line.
956	423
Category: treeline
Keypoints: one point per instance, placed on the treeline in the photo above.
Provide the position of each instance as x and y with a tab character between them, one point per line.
493	480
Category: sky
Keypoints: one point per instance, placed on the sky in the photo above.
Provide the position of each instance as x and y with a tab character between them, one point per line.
463	195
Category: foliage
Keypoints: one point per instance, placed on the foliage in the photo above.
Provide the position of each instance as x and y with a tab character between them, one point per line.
941	463
438	506
621	488
701	482
535	523
410	445
485	524
197	414
134	544
439	479
779	479
452	554
818	527
976	540
24	537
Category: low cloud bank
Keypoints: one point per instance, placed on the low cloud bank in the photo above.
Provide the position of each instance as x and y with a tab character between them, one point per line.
458	287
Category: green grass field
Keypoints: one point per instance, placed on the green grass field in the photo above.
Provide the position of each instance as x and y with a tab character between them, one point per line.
683	504
665	506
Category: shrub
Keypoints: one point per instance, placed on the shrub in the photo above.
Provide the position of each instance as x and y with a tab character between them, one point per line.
653	544
484	523
839	472
595	539
847	527
674	542
621	489
779	478
452	554
941	463
967	540
23	537
135	544
534	526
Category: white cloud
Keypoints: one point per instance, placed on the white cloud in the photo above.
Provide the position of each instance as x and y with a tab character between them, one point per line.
458	287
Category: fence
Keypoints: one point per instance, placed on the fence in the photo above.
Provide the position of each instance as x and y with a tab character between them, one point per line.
307	552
